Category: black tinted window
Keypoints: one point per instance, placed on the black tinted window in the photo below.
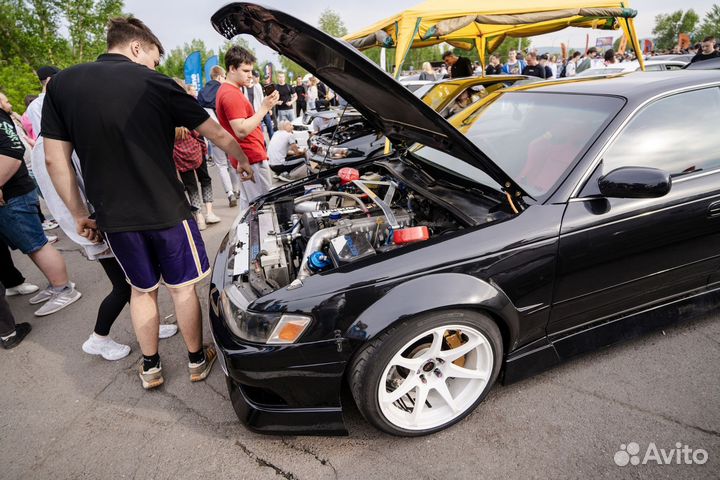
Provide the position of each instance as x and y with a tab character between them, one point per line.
677	134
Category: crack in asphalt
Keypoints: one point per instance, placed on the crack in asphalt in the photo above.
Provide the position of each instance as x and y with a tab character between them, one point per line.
638	409
303	449
265	463
219	394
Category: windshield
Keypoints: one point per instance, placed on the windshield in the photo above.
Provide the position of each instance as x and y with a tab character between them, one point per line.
533	137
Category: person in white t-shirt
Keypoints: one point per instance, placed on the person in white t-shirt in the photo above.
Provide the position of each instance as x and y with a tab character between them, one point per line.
283	151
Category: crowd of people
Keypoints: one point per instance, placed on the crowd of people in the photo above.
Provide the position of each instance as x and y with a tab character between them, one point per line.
547	66
137	200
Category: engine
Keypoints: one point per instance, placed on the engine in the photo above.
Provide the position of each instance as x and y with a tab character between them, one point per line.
344	219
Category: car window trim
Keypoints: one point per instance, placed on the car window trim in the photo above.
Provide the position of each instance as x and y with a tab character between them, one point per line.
574	195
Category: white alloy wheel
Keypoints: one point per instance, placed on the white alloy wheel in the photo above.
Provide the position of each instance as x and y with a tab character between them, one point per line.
427	383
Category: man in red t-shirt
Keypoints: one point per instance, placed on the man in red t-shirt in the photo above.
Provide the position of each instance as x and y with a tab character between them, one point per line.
237	115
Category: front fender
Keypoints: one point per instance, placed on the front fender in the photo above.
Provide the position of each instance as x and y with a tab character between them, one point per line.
435	292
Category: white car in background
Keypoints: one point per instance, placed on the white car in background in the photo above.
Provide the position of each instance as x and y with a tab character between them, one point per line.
624	67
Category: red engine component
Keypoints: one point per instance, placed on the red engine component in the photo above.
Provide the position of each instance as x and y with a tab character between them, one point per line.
348	175
410	235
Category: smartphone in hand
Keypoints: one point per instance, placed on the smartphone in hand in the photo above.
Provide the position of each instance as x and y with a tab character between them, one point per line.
268	89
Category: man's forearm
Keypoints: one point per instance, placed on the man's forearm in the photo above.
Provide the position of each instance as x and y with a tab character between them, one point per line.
58	160
243	128
8	167
212	130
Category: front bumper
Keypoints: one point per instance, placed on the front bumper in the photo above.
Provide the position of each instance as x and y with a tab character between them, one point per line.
279	389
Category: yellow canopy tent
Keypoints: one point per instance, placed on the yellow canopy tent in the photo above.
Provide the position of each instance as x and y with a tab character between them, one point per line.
485	24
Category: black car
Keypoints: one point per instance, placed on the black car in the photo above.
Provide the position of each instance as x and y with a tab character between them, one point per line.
556	219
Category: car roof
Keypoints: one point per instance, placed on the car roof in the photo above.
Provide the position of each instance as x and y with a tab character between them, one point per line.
634	85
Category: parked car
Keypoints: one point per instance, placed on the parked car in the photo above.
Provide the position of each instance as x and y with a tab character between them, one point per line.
357	138
711	64
634	66
554	220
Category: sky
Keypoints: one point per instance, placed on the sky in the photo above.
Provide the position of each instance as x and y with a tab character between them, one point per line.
178	21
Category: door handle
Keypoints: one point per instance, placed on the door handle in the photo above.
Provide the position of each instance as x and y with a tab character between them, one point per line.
714	210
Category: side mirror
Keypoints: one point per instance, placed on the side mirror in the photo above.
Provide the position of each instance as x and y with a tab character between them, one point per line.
635	182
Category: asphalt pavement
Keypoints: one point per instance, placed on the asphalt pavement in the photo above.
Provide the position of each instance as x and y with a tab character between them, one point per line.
68	415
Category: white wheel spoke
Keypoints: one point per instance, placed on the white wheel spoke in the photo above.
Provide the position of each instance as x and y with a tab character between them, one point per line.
422	393
444	392
436	346
405	387
453	370
462	350
412	364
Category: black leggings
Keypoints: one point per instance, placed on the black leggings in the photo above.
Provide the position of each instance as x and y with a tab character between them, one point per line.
115	301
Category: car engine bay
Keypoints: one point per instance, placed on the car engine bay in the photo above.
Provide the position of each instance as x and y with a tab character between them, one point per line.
342	219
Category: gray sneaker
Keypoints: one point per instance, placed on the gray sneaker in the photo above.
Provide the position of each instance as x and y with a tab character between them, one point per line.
58	301
45	295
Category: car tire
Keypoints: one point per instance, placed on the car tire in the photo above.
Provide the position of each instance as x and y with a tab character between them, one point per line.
411	342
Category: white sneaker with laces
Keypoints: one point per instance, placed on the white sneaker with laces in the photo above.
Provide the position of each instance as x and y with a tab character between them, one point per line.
106	347
52	239
212	218
58	301
22	289
45	294
167	330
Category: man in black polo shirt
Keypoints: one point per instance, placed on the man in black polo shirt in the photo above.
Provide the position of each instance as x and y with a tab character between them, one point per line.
119	115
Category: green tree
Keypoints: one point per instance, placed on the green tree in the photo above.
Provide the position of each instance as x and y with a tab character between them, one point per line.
174	63
289	66
331	23
669	26
49	32
710	26
87	21
17	80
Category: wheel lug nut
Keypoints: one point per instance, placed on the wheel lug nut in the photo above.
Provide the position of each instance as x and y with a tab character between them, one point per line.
437	373
440	361
423	379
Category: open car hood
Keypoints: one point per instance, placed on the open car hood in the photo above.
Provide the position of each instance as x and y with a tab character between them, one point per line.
383	101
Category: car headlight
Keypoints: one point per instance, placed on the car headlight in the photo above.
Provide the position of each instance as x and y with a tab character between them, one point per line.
271	328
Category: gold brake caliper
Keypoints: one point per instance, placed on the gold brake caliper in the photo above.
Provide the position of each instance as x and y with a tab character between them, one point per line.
454	340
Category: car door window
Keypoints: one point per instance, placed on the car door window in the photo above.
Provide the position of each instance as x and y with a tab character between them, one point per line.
673	67
677	134
654	68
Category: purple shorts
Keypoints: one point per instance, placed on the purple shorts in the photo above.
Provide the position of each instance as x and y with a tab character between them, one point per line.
175	255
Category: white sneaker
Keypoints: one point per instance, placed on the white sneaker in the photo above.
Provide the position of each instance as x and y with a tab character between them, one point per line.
49	225
45	294
167	330
212	218
106	347
51	239
22	289
58	301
